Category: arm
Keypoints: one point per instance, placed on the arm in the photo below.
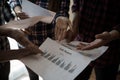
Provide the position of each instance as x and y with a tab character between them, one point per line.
101	40
16	5
29	49
17	8
18	54
75	21
16	34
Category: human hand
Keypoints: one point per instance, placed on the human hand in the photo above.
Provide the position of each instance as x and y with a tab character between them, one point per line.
19	36
33	50
70	36
61	27
20	53
19	13
27	51
101	39
22	15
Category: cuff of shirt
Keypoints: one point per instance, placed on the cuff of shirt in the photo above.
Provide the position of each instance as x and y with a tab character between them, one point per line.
13	5
60	14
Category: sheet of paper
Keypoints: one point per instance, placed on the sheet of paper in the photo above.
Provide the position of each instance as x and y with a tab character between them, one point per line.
35	10
36	14
58	62
93	53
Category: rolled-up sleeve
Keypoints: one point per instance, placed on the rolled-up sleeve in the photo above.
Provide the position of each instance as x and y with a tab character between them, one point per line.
14	3
64	9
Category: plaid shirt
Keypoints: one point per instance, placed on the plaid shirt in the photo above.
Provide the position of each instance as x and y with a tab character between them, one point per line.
41	30
97	16
5	16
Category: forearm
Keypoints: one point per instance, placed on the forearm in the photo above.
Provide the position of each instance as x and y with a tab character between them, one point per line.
12	54
15	34
114	34
20	37
18	9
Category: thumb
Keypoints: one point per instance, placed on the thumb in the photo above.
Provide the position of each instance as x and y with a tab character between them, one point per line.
104	35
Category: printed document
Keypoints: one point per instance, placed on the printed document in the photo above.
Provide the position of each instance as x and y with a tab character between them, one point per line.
35	10
60	61
36	14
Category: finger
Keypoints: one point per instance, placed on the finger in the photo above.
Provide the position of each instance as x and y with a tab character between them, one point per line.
60	34
34	50
88	47
70	25
22	15
63	34
56	32
68	36
104	35
65	29
95	44
25	31
81	45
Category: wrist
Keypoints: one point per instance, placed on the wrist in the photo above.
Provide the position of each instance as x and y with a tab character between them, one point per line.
61	18
114	34
18	9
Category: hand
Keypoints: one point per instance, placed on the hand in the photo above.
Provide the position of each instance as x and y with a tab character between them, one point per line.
33	50
101	39
20	53
61	27
19	36
70	36
22	15
27	51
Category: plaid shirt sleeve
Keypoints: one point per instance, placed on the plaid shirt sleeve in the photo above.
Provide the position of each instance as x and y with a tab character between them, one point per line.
14	3
64	9
75	6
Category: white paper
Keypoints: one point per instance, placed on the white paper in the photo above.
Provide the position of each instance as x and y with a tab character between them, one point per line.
93	53
35	10
36	14
58	62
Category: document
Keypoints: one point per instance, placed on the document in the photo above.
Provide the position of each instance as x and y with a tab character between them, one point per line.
36	14
60	61
35	10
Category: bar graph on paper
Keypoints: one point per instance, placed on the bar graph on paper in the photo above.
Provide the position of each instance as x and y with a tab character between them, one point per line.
59	61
